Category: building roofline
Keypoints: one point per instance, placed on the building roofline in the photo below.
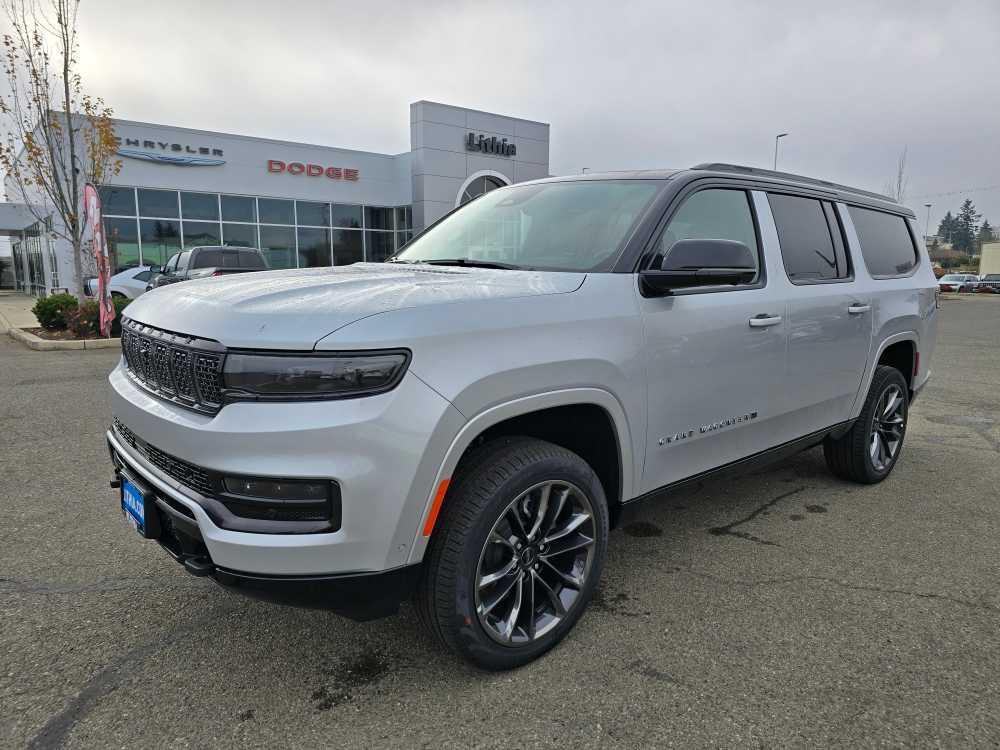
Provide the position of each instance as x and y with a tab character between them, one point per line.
481	112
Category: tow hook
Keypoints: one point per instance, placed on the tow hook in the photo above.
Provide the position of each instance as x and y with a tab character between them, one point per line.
198	565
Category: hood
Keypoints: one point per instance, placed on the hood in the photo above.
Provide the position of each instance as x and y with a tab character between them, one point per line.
294	309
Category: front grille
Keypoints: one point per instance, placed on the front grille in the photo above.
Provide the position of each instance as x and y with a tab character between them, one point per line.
198	479
179	368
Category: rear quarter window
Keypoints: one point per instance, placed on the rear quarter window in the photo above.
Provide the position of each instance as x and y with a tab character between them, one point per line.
886	243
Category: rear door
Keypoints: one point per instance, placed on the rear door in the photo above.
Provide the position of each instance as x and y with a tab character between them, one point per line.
829	313
715	380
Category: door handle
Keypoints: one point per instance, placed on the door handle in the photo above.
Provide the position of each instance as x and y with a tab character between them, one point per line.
764	320
858	309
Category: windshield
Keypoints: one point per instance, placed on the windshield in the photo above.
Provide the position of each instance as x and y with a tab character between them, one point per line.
553	226
953	277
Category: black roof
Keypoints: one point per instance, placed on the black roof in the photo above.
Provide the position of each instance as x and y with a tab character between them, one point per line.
836	191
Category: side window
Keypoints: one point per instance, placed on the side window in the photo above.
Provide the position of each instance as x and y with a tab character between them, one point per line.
713	214
172	263
142	276
811	249
886	242
182	261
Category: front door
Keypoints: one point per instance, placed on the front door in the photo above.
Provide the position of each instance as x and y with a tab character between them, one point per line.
715	380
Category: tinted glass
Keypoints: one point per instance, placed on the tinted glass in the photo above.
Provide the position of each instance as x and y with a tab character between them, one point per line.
119	201
278	244
314	247
807	248
275	211
886	243
201	233
123	243
347	247
160	239
252	260
315	214
143	276
379	246
240	235
710	215
200	206
238	208
559	226
404	217
158	203
378	218
213	259
346	216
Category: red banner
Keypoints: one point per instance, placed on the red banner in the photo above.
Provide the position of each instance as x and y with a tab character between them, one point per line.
92	210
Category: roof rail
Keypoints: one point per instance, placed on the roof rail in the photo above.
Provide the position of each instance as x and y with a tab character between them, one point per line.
757	172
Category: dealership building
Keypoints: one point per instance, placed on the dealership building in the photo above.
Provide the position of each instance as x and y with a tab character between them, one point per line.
303	205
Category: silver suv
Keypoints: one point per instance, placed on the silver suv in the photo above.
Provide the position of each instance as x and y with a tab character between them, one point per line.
463	424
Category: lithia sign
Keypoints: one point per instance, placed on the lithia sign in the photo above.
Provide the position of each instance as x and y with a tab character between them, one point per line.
178	154
490	144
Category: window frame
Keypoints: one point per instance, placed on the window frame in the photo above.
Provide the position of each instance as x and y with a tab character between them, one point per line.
650	253
918	259
823	202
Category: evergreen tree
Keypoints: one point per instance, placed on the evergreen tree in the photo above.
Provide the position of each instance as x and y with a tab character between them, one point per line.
966	227
946	227
986	232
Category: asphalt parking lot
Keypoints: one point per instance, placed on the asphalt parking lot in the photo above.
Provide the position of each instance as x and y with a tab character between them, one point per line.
785	608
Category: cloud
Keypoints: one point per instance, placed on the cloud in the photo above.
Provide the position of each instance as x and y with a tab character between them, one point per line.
625	84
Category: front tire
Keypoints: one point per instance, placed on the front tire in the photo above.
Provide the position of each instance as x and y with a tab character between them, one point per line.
870	449
517	554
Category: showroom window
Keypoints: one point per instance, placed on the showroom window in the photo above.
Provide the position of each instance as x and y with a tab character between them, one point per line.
147	226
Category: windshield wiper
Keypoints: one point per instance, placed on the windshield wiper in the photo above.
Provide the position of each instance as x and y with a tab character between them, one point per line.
471	263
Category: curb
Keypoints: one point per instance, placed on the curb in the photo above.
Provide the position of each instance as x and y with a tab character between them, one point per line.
45	345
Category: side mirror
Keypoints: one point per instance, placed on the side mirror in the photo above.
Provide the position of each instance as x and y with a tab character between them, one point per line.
691	263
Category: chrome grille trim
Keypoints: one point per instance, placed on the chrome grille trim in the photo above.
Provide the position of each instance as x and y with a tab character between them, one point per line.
182	369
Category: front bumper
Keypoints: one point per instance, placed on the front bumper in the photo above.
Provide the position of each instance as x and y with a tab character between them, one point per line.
359	596
382	451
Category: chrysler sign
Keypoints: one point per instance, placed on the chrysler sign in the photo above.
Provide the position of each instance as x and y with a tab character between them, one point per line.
179	154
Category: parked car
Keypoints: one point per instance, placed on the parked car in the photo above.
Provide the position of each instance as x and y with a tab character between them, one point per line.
464	423
199	262
958	282
130	283
989	283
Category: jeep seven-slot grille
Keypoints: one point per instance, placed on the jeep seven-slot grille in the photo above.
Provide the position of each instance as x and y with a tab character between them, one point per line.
175	367
187	474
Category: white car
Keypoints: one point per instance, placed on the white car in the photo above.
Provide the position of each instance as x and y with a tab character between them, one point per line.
128	283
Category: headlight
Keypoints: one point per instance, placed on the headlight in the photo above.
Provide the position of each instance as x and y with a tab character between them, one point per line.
312	376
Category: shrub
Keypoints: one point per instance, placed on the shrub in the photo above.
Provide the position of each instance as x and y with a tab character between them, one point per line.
120	304
85	321
52	311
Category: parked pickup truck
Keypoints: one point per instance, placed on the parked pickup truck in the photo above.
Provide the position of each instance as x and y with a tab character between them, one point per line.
202	261
464	423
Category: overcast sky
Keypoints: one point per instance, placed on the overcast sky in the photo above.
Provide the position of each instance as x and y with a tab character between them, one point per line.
624	85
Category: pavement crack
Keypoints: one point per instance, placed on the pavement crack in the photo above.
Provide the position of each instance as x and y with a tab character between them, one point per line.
730	528
846	585
57	729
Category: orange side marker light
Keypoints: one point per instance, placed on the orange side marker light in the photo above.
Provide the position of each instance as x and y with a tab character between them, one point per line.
442	490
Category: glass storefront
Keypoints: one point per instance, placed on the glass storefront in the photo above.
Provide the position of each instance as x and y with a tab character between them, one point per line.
146	226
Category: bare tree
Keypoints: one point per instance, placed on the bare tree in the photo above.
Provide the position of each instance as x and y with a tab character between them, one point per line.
56	137
897	188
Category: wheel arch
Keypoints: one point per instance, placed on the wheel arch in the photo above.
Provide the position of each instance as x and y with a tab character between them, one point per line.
891	350
503	419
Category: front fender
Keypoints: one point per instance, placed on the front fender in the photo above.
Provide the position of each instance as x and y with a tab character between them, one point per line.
517	407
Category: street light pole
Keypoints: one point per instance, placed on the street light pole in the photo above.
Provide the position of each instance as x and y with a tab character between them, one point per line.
779	135
927	225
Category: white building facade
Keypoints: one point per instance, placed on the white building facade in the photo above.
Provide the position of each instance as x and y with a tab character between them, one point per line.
303	205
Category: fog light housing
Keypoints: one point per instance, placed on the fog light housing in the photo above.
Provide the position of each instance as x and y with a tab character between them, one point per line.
270	499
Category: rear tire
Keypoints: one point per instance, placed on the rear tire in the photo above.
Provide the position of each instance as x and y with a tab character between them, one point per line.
525	526
868	452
